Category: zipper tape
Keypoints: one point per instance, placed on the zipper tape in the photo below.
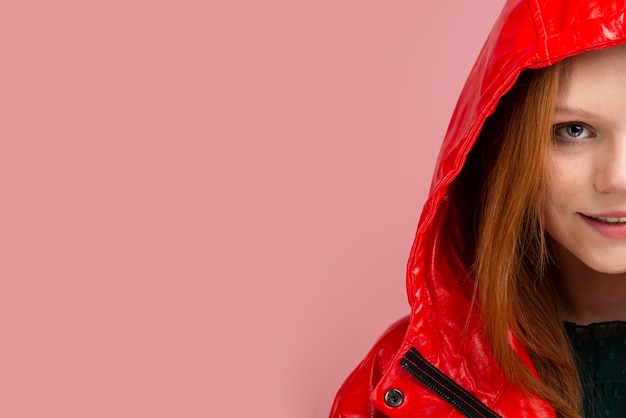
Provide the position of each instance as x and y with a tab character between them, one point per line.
449	390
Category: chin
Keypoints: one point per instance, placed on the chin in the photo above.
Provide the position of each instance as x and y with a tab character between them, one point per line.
610	269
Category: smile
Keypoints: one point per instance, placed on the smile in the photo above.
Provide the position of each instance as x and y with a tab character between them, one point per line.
611	220
613	227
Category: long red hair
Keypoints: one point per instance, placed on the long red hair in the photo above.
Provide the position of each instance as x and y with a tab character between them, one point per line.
515	285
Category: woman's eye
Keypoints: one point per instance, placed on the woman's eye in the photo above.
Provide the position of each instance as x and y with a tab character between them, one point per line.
571	132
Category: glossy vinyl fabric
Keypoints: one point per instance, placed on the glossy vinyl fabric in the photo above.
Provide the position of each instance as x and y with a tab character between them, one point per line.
528	34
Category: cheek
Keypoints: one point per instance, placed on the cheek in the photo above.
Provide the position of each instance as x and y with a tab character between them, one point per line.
553	178
563	180
559	198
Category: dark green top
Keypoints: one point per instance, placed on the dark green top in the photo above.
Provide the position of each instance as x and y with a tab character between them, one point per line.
601	362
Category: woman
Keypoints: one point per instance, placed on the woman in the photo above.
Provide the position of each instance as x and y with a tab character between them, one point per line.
517	276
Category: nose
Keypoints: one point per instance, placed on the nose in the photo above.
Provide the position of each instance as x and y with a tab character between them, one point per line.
611	167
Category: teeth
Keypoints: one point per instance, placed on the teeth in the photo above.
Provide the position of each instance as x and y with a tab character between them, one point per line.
612	220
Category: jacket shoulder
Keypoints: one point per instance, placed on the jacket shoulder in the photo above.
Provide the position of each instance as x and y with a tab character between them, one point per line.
352	399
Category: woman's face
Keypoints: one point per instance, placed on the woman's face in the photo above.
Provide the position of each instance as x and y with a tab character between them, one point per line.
585	206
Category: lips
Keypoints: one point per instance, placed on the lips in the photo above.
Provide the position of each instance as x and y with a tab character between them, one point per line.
610	225
616	216
616	221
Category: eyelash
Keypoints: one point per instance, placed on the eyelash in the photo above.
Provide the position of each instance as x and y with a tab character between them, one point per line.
566	139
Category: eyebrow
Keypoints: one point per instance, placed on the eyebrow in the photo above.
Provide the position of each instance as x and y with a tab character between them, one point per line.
574	112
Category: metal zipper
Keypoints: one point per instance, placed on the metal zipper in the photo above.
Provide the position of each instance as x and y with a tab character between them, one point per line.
455	394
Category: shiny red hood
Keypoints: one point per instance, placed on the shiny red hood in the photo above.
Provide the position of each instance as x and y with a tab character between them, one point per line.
528	34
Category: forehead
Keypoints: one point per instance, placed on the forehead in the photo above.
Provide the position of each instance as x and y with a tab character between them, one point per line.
596	81
596	64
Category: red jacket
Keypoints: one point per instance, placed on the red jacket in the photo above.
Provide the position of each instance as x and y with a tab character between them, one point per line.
424	366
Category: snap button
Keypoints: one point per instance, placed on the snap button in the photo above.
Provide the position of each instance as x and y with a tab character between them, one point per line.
394	398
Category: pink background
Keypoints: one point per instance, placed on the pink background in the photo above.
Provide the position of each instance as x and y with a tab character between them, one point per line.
206	207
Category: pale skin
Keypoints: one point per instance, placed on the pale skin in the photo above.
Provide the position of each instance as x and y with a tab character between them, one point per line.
586	194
